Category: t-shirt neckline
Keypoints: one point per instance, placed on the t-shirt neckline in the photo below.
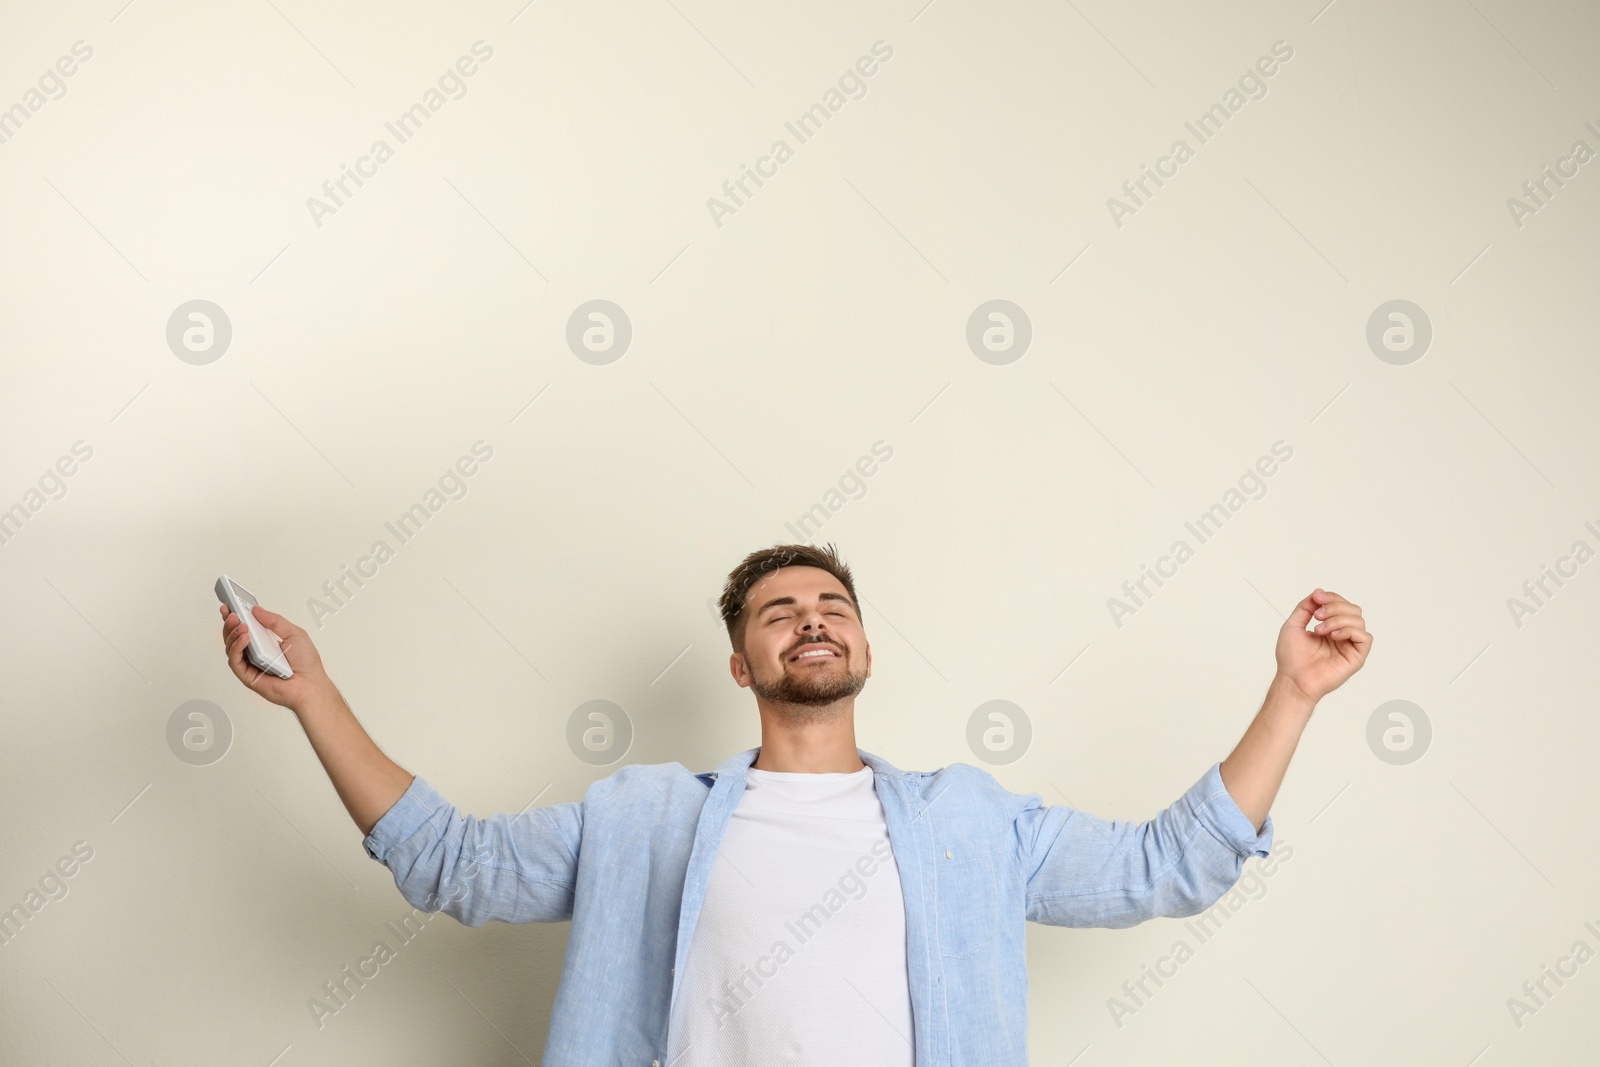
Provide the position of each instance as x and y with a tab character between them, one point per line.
809	776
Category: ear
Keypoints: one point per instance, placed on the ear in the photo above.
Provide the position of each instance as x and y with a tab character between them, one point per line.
739	669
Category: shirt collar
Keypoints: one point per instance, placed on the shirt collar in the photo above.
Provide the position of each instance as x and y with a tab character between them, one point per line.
736	765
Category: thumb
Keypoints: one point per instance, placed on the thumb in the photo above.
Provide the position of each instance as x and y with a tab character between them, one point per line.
275	622
1302	611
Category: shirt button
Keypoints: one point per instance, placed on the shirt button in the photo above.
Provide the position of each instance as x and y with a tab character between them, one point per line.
949	855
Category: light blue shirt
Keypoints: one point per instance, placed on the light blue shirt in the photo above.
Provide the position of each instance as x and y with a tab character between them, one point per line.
628	866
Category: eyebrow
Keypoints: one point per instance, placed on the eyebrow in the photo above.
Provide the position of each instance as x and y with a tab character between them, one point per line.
783	600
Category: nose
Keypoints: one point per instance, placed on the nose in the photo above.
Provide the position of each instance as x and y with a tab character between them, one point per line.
814	625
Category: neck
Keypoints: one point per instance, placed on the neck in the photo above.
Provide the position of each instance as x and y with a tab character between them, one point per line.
807	740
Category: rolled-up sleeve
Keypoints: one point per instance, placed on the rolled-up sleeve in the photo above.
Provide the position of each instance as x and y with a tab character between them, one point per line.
1086	871
506	868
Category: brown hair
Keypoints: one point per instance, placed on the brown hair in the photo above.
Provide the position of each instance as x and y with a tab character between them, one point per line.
763	562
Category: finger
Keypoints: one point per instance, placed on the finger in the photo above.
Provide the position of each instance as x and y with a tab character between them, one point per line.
1328	597
247	672
1341	618
235	664
1346	632
236	643
1352	642
233	625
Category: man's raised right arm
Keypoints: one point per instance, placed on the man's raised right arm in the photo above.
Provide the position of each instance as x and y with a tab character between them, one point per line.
367	781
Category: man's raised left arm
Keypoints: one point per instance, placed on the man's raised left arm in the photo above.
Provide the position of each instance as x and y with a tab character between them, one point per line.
1087	871
1311	664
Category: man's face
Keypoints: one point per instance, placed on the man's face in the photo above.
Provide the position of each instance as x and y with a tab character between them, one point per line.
803	642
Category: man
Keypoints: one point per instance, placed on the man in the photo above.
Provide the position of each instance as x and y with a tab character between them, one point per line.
808	902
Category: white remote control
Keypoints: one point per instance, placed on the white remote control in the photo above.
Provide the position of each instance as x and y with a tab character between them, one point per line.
264	649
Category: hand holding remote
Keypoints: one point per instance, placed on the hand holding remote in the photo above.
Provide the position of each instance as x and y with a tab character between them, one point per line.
309	677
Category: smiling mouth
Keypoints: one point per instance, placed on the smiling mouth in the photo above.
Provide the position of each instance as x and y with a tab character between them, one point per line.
823	652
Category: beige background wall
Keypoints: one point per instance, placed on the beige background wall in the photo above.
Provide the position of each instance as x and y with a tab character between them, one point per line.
372	345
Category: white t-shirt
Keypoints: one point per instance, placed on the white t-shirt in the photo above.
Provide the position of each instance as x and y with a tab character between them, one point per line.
799	953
